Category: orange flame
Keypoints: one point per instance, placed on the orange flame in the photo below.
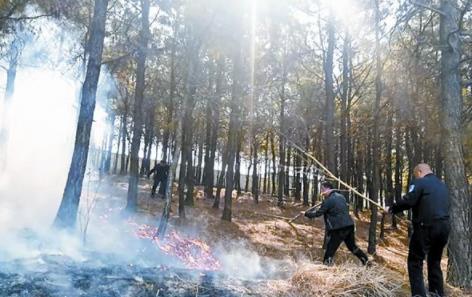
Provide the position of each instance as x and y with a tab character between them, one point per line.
192	252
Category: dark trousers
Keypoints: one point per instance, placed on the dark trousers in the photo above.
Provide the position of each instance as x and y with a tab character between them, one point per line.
336	237
162	188
427	242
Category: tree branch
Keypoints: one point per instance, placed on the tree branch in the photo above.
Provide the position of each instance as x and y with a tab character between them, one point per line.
24	18
433	9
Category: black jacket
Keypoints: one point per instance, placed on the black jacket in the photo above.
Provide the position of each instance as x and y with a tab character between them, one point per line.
335	211
428	198
160	172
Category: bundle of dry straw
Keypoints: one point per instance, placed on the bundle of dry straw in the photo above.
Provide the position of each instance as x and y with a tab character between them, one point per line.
347	280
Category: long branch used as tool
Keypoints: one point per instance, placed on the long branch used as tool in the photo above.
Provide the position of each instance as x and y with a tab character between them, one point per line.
298	215
330	173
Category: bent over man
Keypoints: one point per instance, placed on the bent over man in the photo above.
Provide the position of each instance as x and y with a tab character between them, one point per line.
338	223
160	171
429	200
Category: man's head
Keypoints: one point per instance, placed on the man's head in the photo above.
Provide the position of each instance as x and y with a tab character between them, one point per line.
421	170
326	188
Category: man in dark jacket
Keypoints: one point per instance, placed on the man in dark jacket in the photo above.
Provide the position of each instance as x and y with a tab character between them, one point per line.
338	223
160	171
429	200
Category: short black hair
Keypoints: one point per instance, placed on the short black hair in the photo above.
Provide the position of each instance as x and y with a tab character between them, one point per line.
327	185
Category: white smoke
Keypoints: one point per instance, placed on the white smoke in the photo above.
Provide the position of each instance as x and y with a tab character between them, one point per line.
43	117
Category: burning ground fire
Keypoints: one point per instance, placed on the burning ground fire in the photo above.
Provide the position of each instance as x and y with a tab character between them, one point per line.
193	253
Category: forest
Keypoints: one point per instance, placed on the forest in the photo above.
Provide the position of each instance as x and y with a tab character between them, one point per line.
242	115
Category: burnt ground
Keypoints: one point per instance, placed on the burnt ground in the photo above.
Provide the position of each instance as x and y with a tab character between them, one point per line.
61	276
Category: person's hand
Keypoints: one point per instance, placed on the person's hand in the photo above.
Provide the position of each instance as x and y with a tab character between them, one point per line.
307	214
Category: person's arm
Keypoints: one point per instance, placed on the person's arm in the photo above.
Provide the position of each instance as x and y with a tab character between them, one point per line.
325	206
409	200
151	171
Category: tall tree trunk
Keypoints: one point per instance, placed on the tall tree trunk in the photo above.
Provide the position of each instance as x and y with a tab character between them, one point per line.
198	174
193	52
287	172
330	104
398	169
234	131
221	179
246	186
170	103
124	133
255	178
298	185
376	137
208	127
274	164
266	165
237	167
120	129
281	182
67	213
459	271
344	108
360	169
388	160
220	69
147	148
306	182
132	199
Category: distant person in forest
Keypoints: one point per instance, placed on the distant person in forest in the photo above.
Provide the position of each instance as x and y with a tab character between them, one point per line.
429	200
338	223
161	171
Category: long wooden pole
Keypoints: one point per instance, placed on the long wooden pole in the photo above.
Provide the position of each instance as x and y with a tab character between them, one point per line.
330	174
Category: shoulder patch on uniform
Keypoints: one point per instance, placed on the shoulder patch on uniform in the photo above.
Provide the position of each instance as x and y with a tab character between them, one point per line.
411	189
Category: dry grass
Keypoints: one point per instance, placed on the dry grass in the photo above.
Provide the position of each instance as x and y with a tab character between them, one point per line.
347	280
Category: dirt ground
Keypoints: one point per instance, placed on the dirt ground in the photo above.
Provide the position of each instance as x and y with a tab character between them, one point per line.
259	226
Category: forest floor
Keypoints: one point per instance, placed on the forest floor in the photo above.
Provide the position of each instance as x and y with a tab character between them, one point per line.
289	255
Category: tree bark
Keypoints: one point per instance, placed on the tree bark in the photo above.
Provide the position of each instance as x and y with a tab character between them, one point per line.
344	108
306	182
234	131
124	134
287	172
120	129
170	102
281	181
274	164
249	166
186	166
215	125
459	269
132	199
266	165
237	167
329	139
376	137
255	178
298	185
67	213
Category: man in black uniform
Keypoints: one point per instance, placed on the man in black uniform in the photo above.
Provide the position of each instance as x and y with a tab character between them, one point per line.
338	223
429	200
160	171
